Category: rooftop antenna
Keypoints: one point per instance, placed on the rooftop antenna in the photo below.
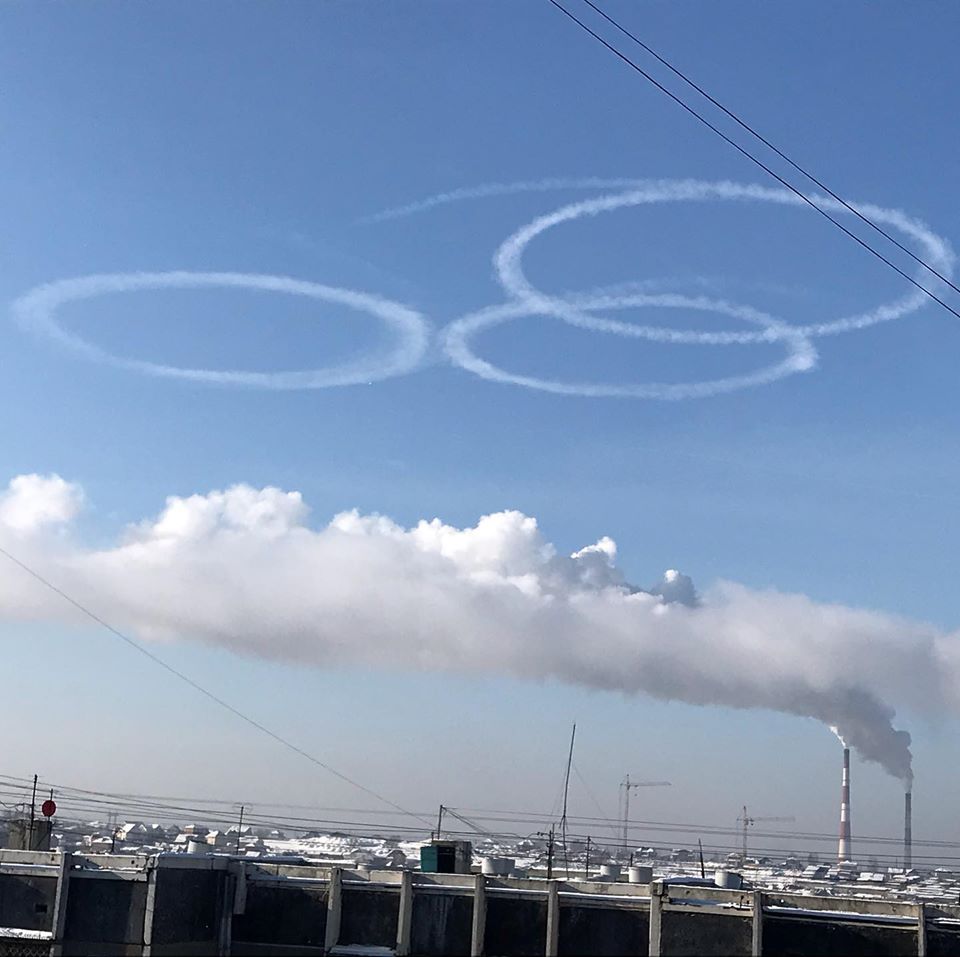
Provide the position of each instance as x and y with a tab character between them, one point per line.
240	829
566	788
33	811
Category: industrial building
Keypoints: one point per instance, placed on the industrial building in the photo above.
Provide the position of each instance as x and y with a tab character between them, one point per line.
177	904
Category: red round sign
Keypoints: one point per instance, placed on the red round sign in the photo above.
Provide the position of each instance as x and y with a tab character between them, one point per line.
48	808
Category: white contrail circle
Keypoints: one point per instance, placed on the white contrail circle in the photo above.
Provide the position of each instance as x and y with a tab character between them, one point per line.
508	259
801	355
36	310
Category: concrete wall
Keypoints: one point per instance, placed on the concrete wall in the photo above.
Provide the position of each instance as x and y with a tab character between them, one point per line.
793	938
442	924
27	901
369	916
284	914
22	835
588	930
942	943
692	934
187	911
105	916
174	905
515	925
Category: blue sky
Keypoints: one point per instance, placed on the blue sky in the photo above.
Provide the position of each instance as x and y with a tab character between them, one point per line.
255	138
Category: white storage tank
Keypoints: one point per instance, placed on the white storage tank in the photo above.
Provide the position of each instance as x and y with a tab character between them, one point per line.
610	872
640	874
728	879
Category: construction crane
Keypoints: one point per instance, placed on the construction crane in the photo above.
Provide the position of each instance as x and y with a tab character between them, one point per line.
626	786
747	822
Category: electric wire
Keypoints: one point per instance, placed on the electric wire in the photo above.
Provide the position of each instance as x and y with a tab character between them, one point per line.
754	159
484	821
201	689
759	136
379	831
590	794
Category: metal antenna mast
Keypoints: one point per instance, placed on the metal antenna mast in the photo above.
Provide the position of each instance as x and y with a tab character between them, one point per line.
566	788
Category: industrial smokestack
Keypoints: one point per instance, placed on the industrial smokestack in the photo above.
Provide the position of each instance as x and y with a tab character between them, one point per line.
908	830
843	848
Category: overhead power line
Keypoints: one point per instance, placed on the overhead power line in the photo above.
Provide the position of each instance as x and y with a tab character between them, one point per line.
760	163
771	146
236	712
78	803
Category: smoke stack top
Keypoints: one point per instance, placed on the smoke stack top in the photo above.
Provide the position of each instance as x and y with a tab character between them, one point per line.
836	731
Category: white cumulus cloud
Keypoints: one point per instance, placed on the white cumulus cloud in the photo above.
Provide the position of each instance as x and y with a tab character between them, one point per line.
31	502
241	568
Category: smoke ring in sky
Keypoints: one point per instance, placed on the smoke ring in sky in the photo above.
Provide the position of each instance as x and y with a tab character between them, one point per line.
801	355
508	259
36	310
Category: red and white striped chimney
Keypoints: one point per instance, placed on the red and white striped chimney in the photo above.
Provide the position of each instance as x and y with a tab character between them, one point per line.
843	848
907	831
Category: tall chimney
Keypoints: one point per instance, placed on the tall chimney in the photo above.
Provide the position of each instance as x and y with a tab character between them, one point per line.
843	848
907	831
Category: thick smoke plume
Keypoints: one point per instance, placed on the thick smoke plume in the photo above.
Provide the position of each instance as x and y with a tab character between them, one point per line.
241	568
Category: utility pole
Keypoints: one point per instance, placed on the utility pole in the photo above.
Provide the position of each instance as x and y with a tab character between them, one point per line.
439	821
33	811
586	863
549	835
240	829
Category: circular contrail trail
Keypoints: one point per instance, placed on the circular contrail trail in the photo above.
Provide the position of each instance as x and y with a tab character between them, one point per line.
36	310
801	355
508	260
578	310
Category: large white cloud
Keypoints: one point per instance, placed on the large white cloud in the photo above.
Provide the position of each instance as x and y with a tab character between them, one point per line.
243	569
32	502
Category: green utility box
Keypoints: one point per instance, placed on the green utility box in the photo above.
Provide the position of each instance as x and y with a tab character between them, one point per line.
446	857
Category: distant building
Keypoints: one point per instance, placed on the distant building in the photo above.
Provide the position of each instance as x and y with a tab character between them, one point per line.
26	835
134	832
396	858
447	857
